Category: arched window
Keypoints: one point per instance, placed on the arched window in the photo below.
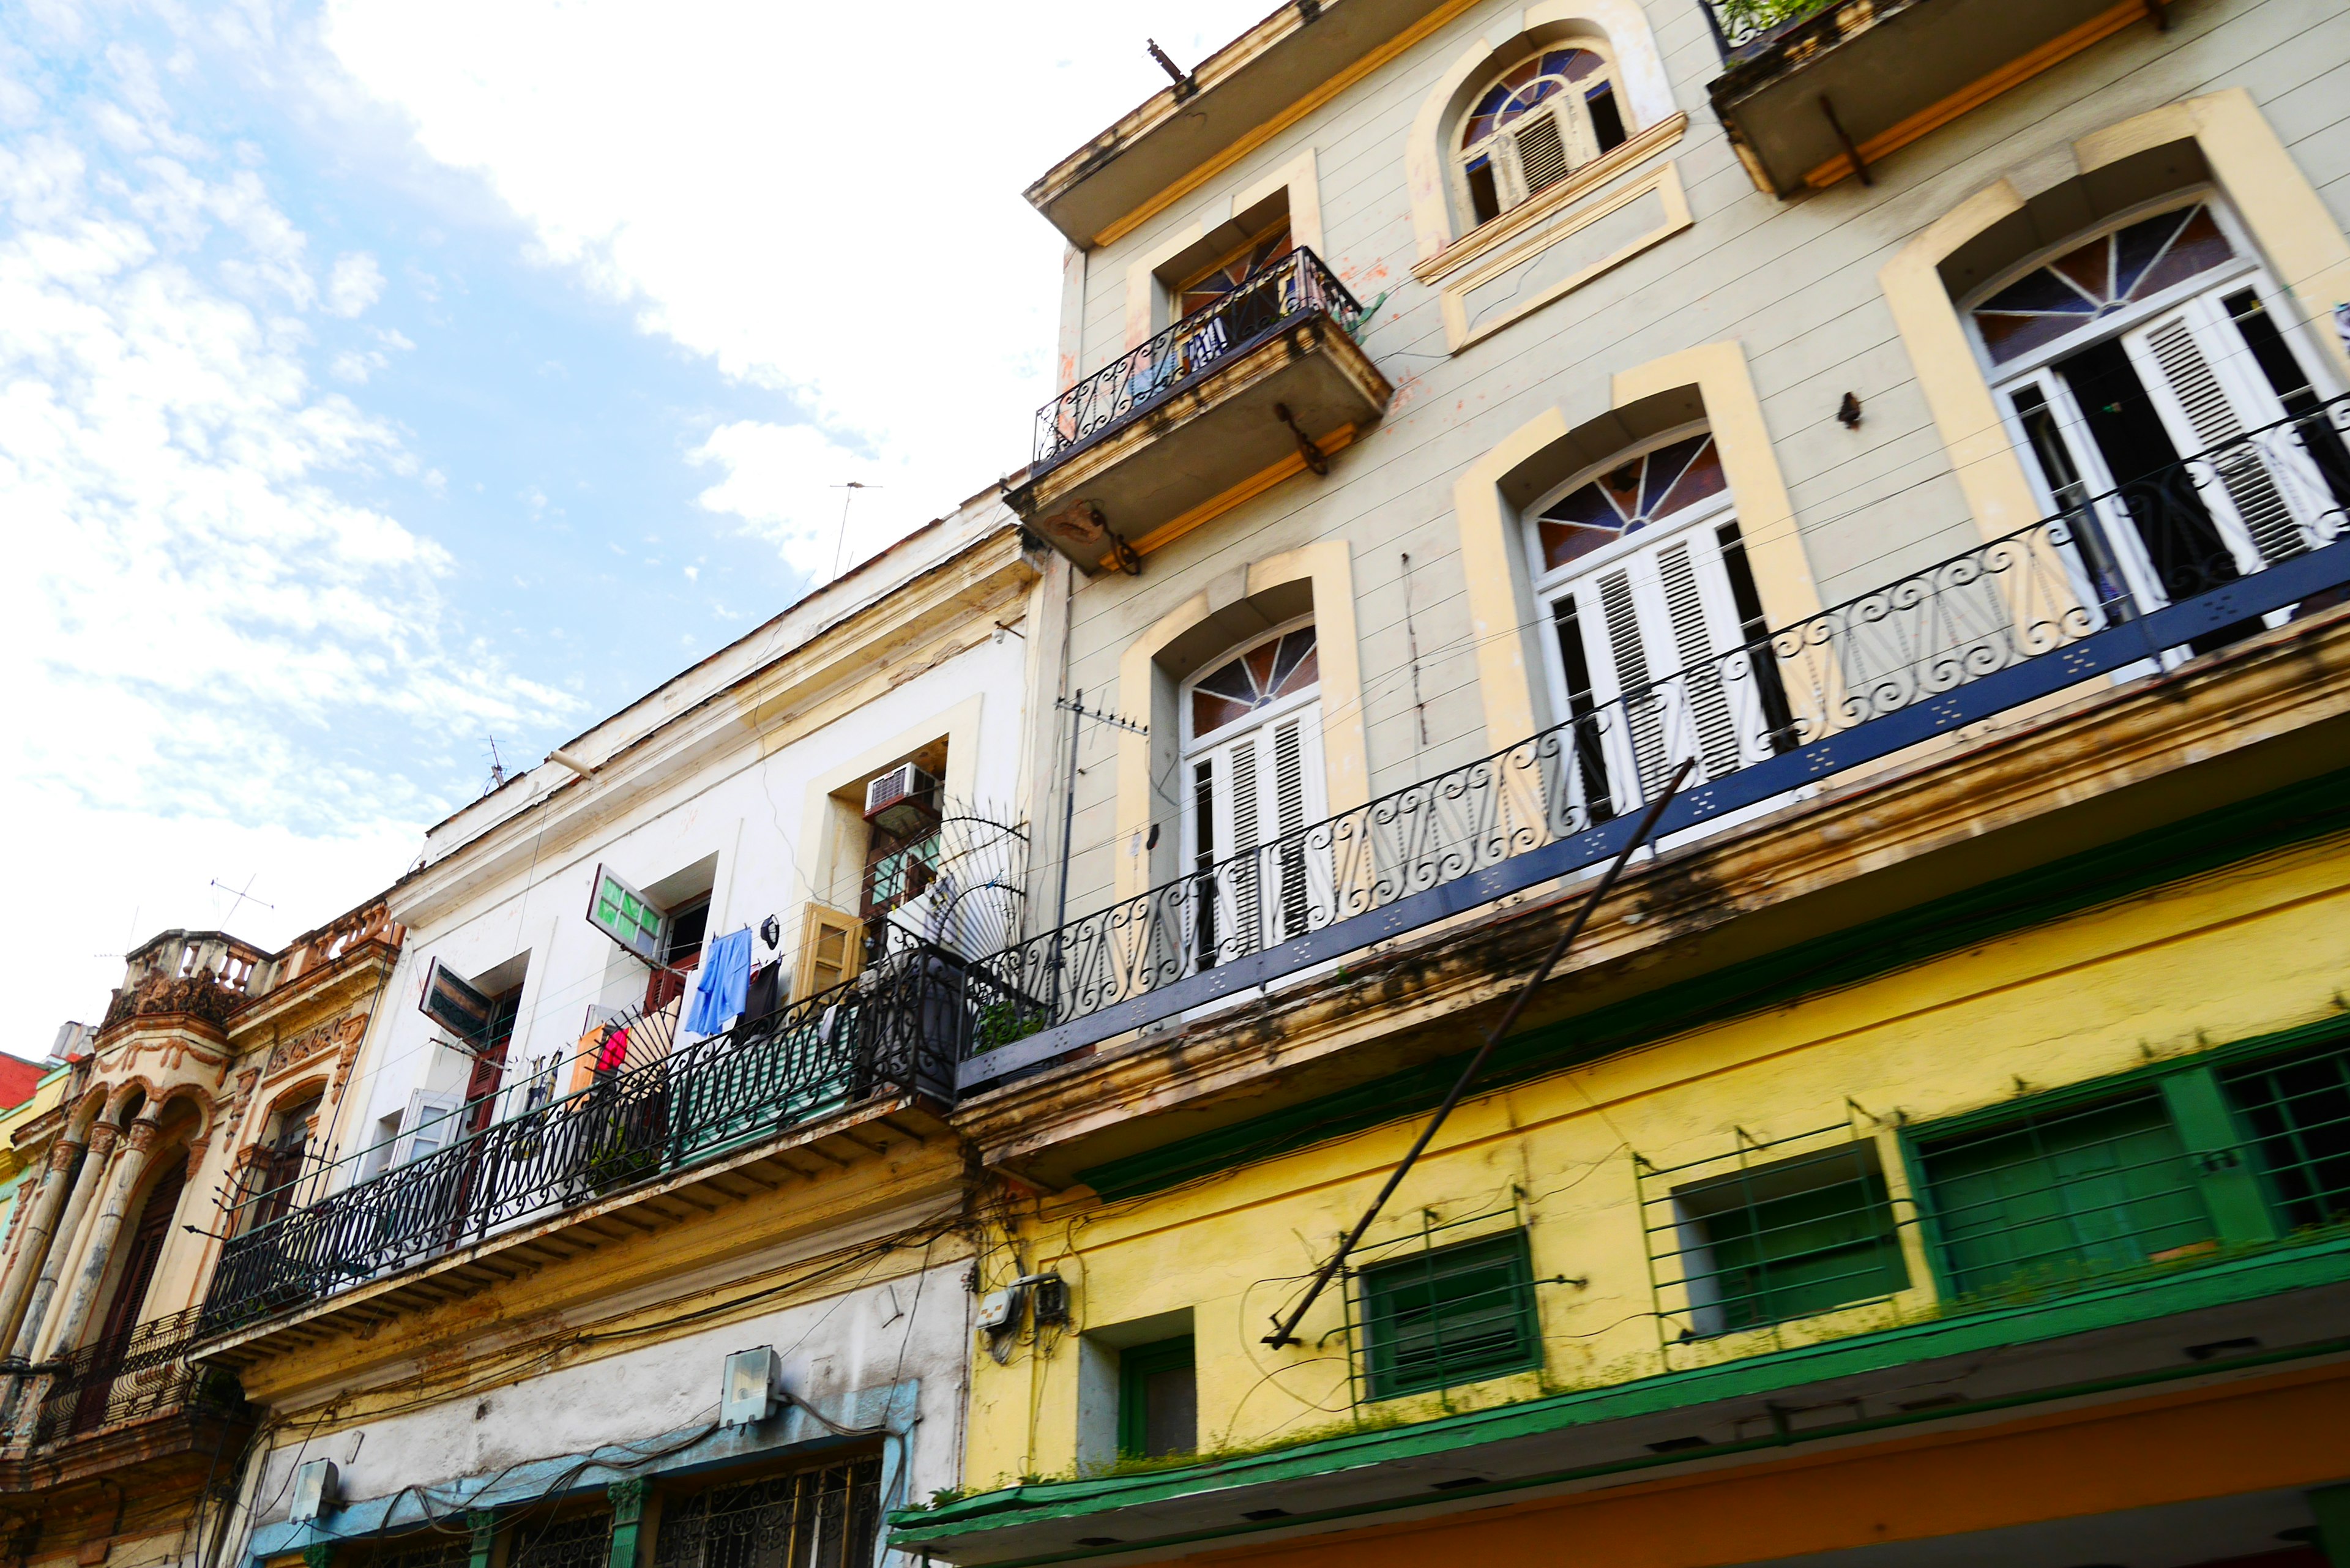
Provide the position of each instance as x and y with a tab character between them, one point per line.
1541	118
1252	766
2125	355
1643	572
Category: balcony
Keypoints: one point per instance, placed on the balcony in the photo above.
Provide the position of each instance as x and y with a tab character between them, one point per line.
1265	383
130	1410
2007	624
811	1076
1812	93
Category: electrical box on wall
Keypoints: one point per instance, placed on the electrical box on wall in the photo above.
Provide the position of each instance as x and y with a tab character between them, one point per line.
997	1308
752	1380
315	1490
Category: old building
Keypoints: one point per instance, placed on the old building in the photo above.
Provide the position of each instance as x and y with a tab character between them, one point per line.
645	1235
1904	443
210	1081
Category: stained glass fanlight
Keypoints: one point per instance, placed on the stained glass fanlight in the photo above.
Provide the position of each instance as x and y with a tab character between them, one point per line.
1628	498
1530	84
1236	270
2096	279
1271	670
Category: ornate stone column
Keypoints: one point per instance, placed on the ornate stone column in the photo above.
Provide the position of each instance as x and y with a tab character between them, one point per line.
103	1229
44	1286
40	1223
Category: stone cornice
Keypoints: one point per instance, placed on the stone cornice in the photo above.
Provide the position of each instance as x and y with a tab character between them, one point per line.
878	644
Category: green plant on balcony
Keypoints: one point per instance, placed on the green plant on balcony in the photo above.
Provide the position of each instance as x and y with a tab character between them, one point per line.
1001	1022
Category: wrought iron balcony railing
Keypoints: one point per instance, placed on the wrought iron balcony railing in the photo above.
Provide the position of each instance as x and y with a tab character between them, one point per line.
1285	293
2182	560
143	1371
898	1028
1737	22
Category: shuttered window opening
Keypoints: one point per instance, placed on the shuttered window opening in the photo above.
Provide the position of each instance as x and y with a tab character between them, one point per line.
1254	759
820	1518
2141	350
2056	1197
1449	1315
1781	1240
1545	117
1654	609
2296	1112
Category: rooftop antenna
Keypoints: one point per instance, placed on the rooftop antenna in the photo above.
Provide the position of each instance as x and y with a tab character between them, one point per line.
240	896
1184	85
497	768
841	548
1078	713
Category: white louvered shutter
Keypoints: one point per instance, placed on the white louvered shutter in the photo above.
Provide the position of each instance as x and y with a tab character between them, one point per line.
1541	152
2180	359
1655	625
1262	790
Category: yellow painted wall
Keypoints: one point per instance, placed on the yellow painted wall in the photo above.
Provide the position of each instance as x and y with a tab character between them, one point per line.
2239	953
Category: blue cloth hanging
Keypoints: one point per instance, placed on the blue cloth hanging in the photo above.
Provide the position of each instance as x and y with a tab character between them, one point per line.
723	984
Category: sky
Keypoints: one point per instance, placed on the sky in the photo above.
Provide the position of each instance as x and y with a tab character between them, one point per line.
387	381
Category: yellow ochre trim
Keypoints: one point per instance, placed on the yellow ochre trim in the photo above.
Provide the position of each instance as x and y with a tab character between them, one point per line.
1216	506
2016	72
1112	233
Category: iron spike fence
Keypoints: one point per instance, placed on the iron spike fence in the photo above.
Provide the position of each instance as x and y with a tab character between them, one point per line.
1282	295
140	1372
896	1029
2180	561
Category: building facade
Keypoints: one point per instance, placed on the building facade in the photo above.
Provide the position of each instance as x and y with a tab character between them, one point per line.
645	1239
1902	445
208	1087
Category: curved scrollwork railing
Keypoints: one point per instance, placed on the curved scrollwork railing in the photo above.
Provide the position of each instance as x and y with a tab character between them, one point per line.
895	1029
1284	293
139	1372
2180	561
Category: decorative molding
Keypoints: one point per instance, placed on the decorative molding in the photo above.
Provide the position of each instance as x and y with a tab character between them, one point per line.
293	1052
1664	183
1486	237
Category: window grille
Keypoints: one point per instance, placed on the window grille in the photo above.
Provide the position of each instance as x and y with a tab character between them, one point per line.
2060	1195
1763	1236
584	1540
1443	1315
826	1518
443	1548
2297	1112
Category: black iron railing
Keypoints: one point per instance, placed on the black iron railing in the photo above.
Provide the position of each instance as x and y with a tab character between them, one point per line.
143	1371
2182	560
896	1029
1737	22
1285	293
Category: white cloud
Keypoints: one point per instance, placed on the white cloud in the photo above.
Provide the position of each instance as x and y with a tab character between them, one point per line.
354	285
821	209
203	631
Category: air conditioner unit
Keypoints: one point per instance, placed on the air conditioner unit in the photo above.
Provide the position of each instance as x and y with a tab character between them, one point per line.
904	801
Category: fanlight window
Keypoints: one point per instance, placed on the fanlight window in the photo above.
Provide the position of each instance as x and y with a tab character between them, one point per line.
1276	668
1235	271
1625	499
2100	278
1547	116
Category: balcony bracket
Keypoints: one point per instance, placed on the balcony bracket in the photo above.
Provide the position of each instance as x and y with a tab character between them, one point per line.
1843	139
1313	454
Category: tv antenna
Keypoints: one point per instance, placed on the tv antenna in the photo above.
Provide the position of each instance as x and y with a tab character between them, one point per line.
1078	713
497	767
841	546
239	895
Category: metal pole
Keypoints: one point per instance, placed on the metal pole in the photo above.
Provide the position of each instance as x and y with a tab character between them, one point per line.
1068	828
1285	1333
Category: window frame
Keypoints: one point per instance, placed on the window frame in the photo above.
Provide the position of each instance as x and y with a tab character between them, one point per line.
1381	1379
1137	1365
1188	743
1578	133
